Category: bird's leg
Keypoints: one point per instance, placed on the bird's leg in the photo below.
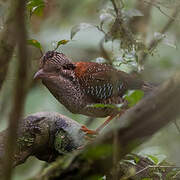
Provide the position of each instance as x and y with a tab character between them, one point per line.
92	132
108	120
105	123
90	135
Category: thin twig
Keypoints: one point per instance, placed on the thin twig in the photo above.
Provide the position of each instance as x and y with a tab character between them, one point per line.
159	8
153	44
19	89
115	7
148	167
156	166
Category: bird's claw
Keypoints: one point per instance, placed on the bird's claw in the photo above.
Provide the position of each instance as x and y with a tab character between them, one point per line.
89	139
88	131
90	135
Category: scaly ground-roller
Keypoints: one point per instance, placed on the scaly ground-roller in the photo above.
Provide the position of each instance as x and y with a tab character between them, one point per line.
77	85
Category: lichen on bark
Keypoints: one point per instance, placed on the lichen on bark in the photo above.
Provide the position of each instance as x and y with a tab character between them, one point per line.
44	135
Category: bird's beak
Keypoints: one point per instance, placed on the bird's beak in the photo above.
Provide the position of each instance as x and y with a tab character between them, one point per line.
40	74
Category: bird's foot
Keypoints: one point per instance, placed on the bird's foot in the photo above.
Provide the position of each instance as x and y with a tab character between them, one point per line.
90	135
88	131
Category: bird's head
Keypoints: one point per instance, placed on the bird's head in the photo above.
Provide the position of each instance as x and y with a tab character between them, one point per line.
54	64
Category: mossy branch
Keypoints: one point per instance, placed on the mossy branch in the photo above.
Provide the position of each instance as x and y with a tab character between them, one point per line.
45	136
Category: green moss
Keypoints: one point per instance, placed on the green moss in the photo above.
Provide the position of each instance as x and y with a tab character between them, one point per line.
62	142
25	141
98	151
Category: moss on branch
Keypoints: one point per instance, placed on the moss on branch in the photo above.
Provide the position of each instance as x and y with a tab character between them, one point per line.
44	135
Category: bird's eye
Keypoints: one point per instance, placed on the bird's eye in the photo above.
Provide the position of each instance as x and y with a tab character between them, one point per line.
57	70
69	67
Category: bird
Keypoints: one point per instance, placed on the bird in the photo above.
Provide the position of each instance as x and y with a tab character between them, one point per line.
81	85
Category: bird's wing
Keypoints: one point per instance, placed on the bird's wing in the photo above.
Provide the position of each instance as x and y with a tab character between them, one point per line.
100	81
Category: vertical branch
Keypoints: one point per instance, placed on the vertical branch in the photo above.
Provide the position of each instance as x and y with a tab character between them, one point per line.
7	44
19	89
115	7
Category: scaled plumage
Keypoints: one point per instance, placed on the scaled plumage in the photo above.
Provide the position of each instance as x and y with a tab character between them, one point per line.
78	85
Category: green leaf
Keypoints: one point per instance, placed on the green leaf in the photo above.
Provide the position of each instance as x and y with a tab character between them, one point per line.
102	105
129	161
102	178
35	43
79	27
98	151
95	177
36	7
154	159
155	152
38	10
117	106
62	42
133	97
146	179
134	157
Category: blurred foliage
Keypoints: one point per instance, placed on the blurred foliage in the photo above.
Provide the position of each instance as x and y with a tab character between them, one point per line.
133	97
99	151
35	43
80	26
148	167
35	7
